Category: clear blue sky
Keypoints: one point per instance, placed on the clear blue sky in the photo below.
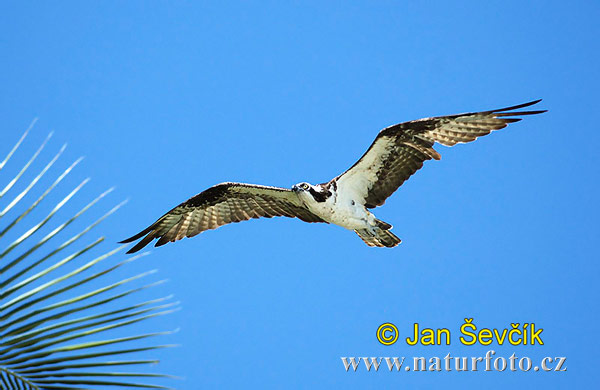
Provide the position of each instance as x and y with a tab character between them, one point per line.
168	98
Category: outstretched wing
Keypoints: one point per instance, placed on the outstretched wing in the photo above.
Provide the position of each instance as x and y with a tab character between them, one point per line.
400	150
219	205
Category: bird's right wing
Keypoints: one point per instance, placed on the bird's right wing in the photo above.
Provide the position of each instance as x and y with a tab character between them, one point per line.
219	205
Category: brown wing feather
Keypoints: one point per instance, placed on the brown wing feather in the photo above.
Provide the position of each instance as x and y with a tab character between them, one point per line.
400	150
220	205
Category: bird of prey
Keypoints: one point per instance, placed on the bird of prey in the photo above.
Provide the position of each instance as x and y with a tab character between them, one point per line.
397	152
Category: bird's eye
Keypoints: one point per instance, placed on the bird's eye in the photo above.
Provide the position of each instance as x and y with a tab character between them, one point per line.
304	186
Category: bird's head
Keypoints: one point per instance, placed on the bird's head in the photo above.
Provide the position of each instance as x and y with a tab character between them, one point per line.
301	187
310	193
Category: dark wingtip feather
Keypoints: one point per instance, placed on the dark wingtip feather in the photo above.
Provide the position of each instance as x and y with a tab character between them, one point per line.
513	113
517	106
127	240
137	236
163	240
141	244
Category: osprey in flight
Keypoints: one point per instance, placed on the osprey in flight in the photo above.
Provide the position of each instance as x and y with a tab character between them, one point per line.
397	152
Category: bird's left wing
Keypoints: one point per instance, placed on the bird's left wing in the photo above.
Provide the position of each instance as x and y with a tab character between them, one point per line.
400	150
219	205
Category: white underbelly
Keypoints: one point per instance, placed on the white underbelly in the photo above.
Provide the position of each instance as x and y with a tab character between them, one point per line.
345	215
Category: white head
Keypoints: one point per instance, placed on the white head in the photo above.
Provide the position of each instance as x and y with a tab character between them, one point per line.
311	193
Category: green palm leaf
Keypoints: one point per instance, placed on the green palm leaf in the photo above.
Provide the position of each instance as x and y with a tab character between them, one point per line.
55	321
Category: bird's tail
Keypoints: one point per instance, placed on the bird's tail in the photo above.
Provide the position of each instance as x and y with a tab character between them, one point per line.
378	236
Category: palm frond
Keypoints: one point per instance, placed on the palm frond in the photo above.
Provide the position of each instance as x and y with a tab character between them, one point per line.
55	321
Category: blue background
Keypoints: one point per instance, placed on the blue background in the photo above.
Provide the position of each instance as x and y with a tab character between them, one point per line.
168	98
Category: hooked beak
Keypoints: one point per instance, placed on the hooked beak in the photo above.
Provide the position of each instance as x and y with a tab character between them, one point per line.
295	188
